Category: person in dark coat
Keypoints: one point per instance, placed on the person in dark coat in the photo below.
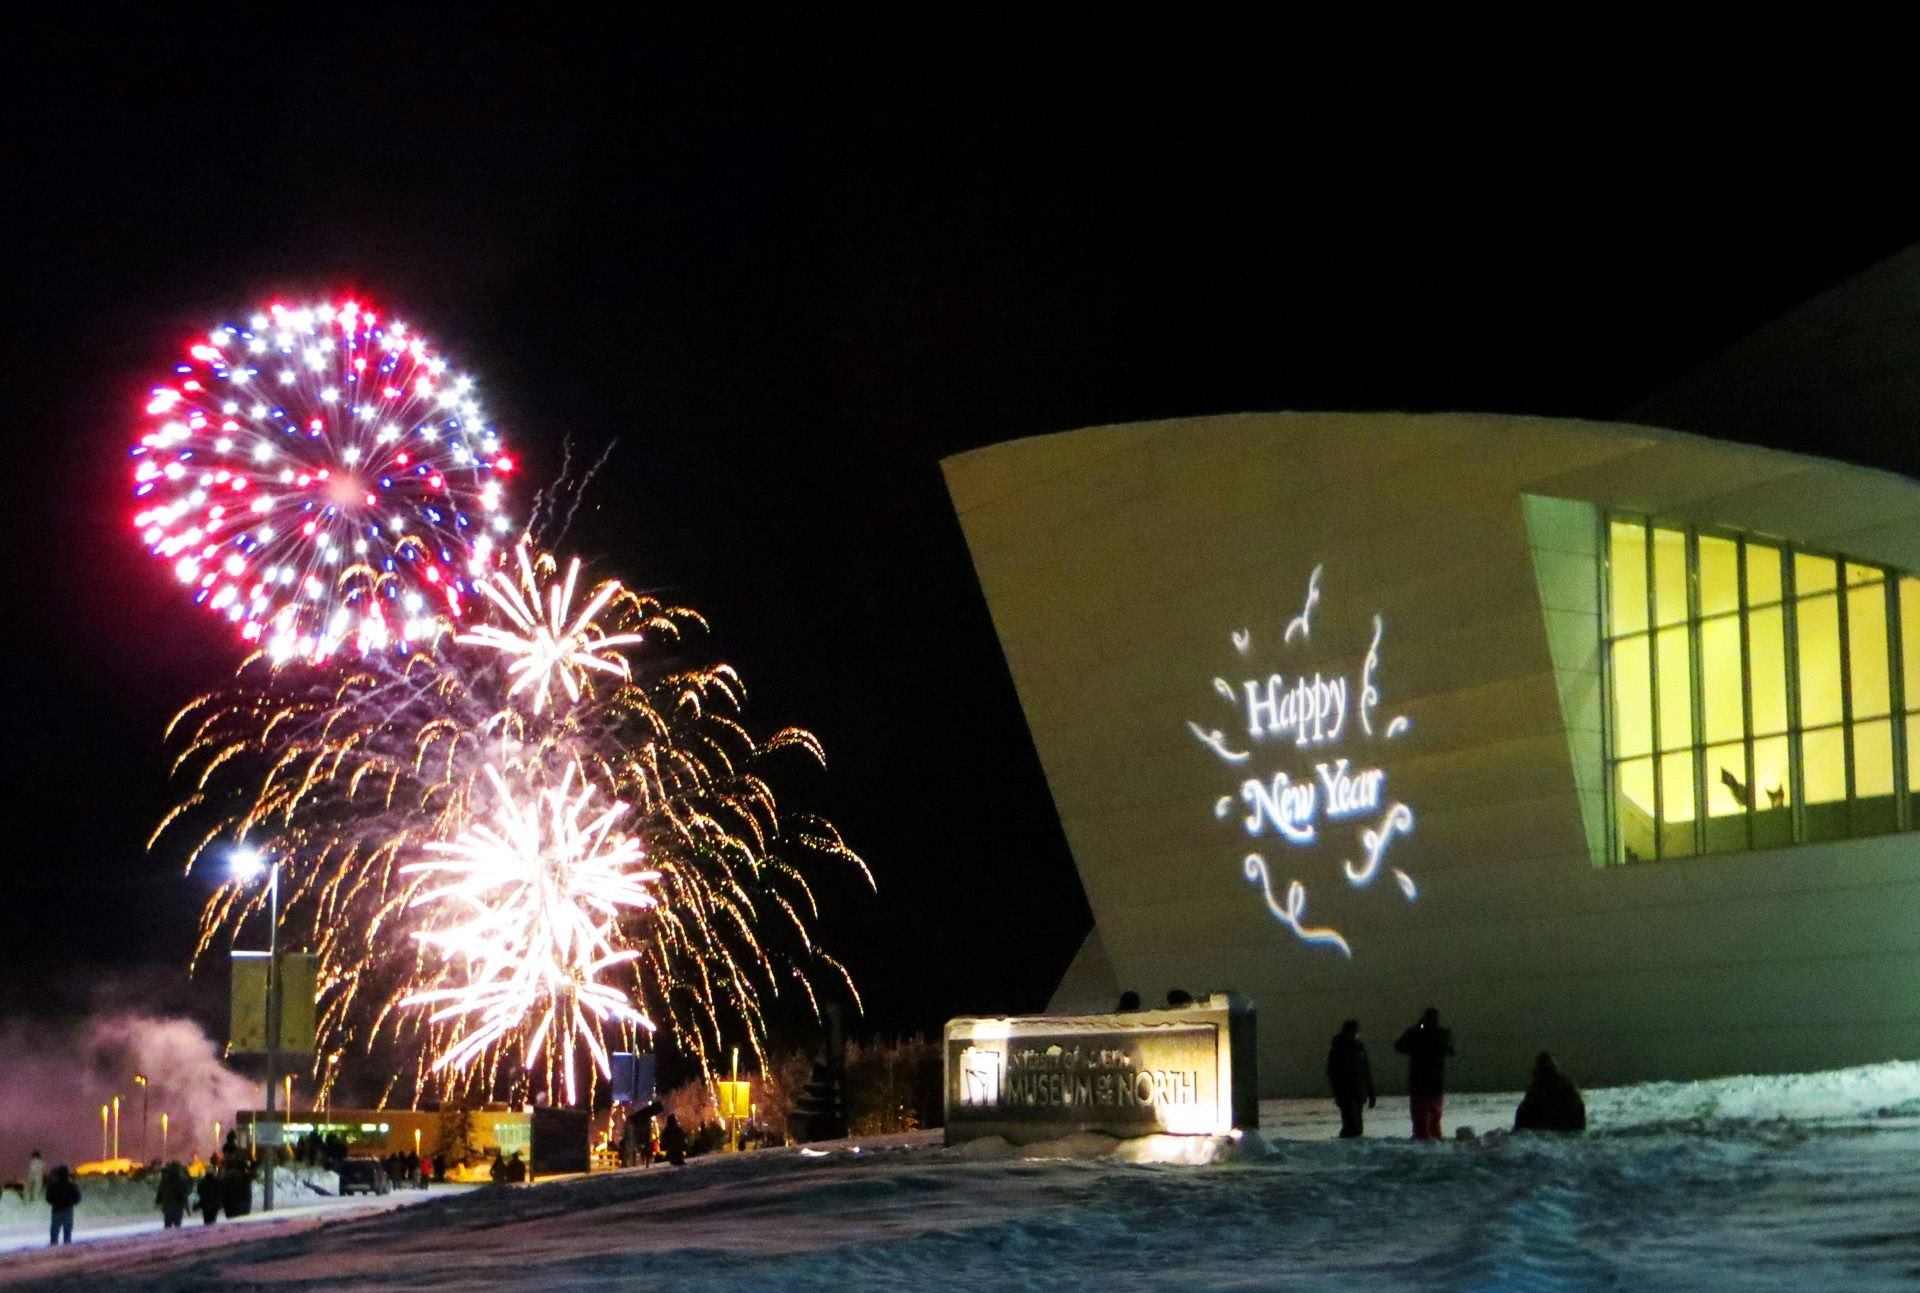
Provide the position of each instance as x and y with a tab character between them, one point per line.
63	1196
209	1195
1552	1101
176	1187
498	1172
236	1188
1426	1046
1351	1078
674	1141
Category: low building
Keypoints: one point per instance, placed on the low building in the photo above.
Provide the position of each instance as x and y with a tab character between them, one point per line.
378	1132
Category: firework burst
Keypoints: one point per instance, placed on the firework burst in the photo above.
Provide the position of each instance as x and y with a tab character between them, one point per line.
318	478
530	906
548	641
391	788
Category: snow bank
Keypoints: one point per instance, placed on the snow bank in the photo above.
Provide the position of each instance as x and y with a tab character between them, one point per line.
1870	1091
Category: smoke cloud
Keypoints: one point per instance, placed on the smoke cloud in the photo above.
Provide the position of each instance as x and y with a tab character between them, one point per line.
54	1078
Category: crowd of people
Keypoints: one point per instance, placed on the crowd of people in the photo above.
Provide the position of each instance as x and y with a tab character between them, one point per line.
1552	1102
224	1184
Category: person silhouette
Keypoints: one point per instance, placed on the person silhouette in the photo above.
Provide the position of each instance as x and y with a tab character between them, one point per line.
1426	1046
1351	1077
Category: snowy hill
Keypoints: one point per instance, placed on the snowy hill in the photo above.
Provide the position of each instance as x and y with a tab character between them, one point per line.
1750	1183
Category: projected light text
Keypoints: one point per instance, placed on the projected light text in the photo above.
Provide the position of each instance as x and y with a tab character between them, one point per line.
1343	781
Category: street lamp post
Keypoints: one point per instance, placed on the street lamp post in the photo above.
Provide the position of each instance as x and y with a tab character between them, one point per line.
116	1127
246	864
146	1154
163	1133
106	1141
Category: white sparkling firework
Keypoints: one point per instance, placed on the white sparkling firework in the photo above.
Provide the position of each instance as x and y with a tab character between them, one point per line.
319	479
532	905
550	642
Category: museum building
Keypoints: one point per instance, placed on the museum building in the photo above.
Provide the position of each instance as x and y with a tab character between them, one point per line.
1601	738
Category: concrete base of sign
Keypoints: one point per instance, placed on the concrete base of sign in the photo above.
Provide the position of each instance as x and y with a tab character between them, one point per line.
1186	1070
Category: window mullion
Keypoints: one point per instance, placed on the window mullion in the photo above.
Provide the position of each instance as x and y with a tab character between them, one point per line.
1653	715
1841	597
1746	689
1698	737
1790	642
1897	704
1610	781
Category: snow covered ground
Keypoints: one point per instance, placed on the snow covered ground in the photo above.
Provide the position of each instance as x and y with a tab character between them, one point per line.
1748	1183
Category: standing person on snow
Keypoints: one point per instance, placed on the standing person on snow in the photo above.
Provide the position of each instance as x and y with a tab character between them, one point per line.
1552	1101
1351	1078
36	1177
674	1141
171	1198
209	1195
62	1197
1426	1046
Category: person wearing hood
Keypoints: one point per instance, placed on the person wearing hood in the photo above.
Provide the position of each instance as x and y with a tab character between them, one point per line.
176	1187
209	1195
1552	1101
1351	1077
63	1196
1426	1046
674	1141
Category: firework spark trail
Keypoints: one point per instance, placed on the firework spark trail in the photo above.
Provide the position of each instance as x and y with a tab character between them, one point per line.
353	776
317	478
556	645
538	893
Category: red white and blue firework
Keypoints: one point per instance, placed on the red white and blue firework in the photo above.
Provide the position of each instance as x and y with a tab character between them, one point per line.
319	478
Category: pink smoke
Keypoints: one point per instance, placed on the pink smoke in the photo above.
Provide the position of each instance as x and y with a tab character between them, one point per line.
53	1080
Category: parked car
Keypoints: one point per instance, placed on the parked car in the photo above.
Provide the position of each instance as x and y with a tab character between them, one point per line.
363	1175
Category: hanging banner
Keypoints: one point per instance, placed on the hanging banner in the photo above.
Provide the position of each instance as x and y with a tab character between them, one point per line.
247	1016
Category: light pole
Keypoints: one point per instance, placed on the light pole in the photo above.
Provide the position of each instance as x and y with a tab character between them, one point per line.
140	1080
106	1142
163	1133
116	1127
246	864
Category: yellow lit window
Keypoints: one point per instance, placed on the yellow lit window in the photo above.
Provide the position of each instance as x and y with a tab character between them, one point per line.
1627	560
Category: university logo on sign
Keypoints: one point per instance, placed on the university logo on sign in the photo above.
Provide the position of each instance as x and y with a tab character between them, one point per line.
980	1077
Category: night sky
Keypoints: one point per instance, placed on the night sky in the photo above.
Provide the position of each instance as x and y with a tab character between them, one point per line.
788	269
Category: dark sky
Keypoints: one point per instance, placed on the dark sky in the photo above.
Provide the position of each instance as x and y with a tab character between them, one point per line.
789	269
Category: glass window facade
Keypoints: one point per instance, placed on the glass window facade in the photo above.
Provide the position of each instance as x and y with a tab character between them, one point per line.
1758	694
